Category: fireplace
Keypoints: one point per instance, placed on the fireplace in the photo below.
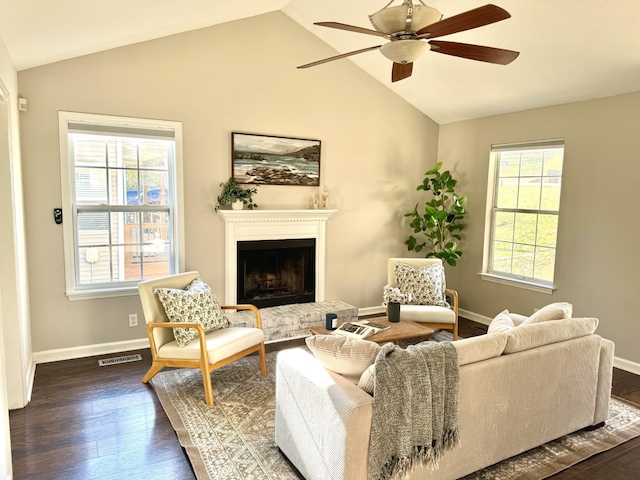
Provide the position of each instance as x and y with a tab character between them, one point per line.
260	225
276	272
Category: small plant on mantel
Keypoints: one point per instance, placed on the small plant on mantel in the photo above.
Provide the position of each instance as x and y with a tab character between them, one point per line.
233	192
441	221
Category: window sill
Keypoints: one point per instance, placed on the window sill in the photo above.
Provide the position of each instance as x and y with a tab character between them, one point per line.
102	293
513	282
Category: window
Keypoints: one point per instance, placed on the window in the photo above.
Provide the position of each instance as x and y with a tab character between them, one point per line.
523	211
121	201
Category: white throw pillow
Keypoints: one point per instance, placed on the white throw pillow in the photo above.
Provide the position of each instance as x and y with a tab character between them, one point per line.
349	357
426	285
501	323
553	311
196	304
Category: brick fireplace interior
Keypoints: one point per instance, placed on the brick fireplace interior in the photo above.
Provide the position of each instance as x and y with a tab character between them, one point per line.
276	272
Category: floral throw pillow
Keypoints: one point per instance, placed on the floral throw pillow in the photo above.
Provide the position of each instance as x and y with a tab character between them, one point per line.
425	285
196	304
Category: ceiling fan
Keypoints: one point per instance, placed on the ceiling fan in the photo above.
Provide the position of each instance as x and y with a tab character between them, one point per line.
410	29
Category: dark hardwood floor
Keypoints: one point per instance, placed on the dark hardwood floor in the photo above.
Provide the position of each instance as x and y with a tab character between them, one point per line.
89	422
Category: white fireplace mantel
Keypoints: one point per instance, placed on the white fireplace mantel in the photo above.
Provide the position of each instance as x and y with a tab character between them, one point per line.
251	225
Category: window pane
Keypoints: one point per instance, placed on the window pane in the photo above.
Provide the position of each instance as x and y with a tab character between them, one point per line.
547	233
509	165
525	228
94	265
502	256
507	193
523	256
91	185
154	188
545	263
154	154
531	163
89	151
504	226
93	228
551	193
529	194
553	159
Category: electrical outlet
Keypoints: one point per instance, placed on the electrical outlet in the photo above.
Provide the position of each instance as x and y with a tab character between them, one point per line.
133	320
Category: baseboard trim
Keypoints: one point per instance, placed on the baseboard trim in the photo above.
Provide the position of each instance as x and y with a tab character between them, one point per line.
474	316
371	311
626	365
56	355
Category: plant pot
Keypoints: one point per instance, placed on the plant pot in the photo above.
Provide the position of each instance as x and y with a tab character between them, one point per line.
393	311
237	205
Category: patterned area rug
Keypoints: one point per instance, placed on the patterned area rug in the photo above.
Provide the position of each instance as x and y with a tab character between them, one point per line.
233	440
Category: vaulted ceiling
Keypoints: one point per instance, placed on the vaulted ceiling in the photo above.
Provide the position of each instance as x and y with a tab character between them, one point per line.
571	50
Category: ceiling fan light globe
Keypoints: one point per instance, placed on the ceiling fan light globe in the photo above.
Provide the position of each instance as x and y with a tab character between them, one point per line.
392	20
405	51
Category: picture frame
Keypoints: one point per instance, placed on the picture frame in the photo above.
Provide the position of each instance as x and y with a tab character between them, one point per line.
273	160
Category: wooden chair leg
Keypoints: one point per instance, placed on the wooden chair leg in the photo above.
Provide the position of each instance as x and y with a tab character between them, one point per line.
263	360
155	368
208	389
455	330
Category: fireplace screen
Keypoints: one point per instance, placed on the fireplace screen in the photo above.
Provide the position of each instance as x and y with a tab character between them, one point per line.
276	272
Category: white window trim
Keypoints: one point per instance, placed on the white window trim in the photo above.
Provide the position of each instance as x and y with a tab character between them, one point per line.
64	119
513	281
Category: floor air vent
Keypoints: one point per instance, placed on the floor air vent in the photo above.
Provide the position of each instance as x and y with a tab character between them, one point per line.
117	360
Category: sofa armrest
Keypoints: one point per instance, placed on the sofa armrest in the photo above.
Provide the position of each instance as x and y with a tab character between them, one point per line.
605	378
323	421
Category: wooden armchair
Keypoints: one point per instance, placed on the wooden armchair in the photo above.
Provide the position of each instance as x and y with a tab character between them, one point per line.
207	352
432	316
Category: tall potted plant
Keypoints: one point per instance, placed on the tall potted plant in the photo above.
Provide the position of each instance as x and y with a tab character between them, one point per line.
234	194
440	222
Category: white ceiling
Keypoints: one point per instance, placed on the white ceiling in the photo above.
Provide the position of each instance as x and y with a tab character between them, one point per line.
571	50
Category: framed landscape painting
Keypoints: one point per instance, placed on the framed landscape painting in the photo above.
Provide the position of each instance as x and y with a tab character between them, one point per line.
271	160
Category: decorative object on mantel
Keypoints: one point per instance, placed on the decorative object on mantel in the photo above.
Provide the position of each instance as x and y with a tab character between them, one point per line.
238	197
392	297
325	197
271	160
441	221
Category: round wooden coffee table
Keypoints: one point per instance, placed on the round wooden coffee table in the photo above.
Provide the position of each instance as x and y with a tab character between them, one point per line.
401	330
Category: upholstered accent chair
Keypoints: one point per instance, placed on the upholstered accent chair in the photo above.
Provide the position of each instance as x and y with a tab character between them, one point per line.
433	316
207	351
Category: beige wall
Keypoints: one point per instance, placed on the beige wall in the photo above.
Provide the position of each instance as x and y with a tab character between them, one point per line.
597	260
375	148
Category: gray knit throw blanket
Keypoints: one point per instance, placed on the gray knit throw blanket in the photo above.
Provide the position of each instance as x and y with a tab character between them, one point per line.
415	407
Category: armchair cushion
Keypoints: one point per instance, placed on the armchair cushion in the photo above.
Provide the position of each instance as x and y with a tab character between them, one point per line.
428	313
349	357
425	284
196	304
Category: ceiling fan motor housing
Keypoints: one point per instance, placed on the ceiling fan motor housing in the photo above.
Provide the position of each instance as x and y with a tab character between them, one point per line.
404	18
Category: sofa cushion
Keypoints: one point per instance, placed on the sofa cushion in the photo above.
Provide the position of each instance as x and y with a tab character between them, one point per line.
553	311
426	285
196	304
367	380
349	357
501	323
479	348
526	337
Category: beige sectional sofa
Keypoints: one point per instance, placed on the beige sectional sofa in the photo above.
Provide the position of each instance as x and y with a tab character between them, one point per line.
519	388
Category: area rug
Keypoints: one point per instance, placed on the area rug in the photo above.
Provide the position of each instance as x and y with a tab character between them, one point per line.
233	440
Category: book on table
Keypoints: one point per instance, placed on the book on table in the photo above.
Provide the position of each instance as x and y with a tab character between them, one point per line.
359	329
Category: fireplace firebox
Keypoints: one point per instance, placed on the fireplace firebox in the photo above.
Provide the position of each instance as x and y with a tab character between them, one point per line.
276	272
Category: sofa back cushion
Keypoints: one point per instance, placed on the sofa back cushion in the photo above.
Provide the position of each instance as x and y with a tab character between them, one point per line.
482	347
528	336
553	311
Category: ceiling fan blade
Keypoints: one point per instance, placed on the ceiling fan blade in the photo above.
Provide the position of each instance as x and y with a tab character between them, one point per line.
478	17
401	71
474	52
338	57
351	28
